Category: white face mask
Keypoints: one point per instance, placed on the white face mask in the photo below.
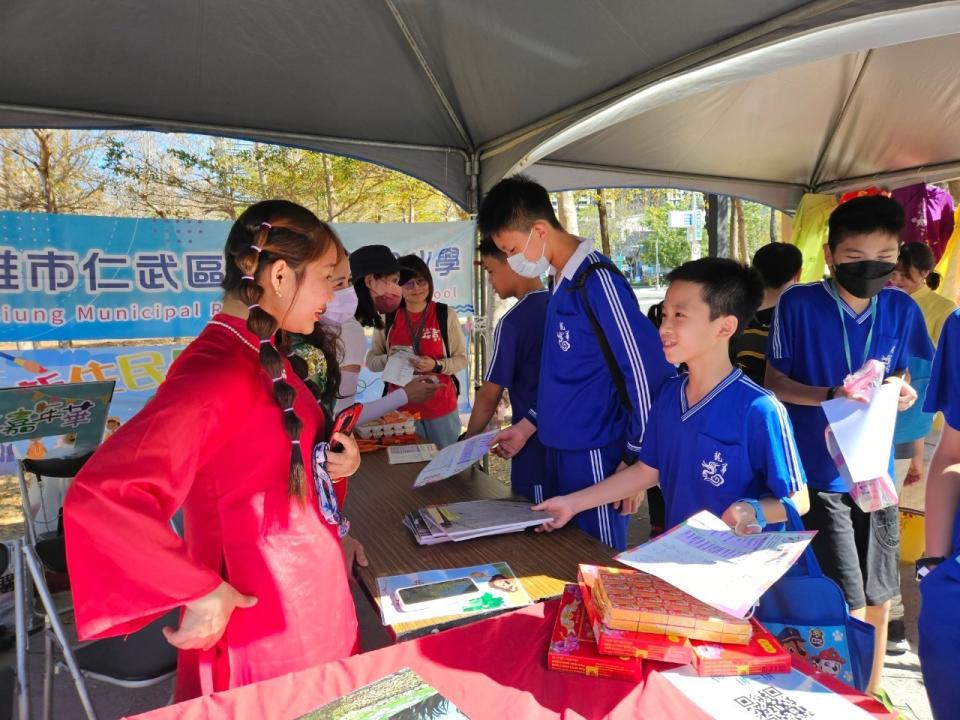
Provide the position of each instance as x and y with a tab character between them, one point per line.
341	308
529	268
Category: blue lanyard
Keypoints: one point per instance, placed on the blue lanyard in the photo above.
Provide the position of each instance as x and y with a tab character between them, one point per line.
846	338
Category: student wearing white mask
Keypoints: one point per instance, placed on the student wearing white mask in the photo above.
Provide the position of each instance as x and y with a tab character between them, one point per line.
339	321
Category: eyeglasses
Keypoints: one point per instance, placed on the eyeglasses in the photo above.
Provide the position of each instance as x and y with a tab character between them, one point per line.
417	282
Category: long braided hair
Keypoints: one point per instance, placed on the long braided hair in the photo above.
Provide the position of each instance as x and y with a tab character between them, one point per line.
266	232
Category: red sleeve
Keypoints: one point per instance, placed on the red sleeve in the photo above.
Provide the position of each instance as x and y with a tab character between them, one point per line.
127	566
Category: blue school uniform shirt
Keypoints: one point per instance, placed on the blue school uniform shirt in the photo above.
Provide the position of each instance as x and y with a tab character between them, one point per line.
806	344
735	443
943	393
517	345
578	407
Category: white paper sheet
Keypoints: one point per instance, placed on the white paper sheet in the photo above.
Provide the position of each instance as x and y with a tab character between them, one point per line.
399	368
454	458
705	558
749	697
864	431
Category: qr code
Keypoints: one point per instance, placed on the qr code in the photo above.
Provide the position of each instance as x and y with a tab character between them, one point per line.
771	704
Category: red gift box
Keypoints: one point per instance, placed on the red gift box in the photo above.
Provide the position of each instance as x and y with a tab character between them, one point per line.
649	646
574	649
763	654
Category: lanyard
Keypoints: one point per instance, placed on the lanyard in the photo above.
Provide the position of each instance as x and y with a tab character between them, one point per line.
416	335
846	338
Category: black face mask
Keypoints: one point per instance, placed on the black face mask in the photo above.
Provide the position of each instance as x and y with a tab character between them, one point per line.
865	278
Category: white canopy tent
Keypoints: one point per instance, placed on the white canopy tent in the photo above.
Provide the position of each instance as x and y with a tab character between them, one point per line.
759	98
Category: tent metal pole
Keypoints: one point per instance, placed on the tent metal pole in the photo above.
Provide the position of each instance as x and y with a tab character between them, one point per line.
672	67
428	72
137	122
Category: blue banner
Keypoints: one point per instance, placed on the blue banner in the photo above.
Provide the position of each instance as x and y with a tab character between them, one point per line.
74	277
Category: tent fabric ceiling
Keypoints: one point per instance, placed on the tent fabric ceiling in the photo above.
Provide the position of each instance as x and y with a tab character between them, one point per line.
423	86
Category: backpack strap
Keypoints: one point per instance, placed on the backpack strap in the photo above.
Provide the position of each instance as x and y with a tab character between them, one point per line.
616	374
443	317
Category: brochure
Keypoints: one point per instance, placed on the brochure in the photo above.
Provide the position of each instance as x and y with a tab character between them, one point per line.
703	557
477	518
860	428
399	368
401	454
455	458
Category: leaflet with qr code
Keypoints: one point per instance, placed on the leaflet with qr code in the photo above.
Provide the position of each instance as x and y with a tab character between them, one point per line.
787	696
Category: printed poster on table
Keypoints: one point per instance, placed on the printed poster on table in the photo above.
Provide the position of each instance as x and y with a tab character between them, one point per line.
455	458
703	557
76	277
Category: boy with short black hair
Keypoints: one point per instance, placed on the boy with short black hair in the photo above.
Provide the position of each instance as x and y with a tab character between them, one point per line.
601	361
822	332
515	365
779	265
720	441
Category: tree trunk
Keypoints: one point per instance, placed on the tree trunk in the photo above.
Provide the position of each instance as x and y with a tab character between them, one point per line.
773	225
602	213
330	191
742	249
568	212
43	169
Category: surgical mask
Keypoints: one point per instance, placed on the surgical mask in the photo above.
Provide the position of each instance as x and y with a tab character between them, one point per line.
387	302
341	308
865	278
529	268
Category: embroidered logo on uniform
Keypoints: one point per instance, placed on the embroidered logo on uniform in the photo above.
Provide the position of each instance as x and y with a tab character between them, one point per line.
563	337
714	470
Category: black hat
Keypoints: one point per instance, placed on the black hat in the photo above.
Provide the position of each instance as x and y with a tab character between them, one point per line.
373	260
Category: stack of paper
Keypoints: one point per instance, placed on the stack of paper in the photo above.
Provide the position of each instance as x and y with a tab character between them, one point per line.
400	454
468	520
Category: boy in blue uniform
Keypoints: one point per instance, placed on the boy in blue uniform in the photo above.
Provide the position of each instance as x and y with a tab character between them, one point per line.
822	332
601	360
940	592
720	442
514	365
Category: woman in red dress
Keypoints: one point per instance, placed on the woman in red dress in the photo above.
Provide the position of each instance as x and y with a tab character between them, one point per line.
229	437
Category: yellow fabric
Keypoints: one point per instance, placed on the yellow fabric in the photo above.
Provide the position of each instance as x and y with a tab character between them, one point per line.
949	265
810	233
935	308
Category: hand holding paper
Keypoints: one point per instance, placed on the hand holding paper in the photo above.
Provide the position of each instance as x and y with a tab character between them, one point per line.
454	458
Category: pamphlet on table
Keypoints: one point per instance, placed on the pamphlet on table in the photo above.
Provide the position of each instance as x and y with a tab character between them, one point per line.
455	458
468	520
703	557
435	593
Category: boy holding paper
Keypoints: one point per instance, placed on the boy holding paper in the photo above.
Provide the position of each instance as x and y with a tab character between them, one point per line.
822	332
720	442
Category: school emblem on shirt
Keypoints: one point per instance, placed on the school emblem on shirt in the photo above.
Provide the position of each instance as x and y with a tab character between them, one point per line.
563	337
714	470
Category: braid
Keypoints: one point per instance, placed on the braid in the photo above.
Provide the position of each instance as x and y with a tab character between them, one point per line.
264	326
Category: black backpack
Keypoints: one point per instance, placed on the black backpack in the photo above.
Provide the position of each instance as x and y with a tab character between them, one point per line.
443	314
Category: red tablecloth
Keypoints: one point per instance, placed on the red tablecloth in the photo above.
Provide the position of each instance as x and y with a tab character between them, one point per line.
492	670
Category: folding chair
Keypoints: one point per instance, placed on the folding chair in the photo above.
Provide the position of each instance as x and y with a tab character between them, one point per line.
15	682
141	659
65	467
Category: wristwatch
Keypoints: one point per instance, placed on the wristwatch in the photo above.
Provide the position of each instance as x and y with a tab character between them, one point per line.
926	565
831	393
437	366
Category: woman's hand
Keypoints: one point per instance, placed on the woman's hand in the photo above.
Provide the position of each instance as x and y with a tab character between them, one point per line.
345	461
420	389
205	620
424	364
353	553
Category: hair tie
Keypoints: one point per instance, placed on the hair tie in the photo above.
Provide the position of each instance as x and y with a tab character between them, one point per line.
265	341
294	442
278	379
291	353
257	248
251	307
266	225
247	277
289	409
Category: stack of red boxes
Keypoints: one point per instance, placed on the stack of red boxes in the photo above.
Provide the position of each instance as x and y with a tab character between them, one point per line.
620	617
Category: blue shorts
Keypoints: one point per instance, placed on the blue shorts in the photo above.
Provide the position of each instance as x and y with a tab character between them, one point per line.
939	627
572	470
528	470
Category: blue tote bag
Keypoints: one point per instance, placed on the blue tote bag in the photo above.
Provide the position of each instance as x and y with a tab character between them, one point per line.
808	614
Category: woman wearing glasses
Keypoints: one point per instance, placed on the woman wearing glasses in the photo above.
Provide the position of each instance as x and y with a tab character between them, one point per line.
432	331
